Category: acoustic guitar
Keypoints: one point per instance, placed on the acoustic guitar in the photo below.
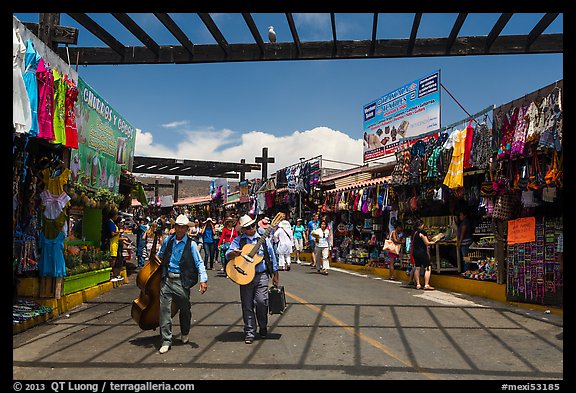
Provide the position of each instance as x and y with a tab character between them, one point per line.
242	269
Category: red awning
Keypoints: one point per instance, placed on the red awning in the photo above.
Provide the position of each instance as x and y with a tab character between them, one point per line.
362	184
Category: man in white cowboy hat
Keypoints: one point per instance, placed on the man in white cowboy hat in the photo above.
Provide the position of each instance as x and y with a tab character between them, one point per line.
284	239
182	268
254	295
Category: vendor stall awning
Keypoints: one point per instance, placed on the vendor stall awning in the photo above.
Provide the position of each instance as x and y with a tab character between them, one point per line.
362	184
193	200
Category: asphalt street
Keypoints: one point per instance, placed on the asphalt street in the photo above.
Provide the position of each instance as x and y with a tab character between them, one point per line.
337	327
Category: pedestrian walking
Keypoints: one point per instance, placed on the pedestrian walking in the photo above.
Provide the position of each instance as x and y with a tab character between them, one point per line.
139	230
229	232
312	225
254	295
182	268
207	234
322	249
285	242
397	238
299	231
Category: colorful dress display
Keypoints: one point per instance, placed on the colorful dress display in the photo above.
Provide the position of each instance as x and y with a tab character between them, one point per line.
31	61
21	115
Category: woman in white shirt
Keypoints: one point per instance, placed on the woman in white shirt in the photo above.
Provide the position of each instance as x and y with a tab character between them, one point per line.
322	250
284	238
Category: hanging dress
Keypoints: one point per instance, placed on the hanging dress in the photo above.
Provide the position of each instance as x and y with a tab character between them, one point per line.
51	262
455	174
21	114
30	66
59	121
532	132
519	137
45	101
70	119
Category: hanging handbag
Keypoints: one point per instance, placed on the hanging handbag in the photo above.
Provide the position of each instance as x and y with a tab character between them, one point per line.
342	204
553	177
535	181
521	183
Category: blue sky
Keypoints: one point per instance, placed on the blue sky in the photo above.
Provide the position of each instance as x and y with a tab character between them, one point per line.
229	111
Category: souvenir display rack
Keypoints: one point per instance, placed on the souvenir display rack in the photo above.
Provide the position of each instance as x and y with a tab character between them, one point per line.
481	253
533	268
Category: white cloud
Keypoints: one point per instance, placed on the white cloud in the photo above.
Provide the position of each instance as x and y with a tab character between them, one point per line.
176	124
228	146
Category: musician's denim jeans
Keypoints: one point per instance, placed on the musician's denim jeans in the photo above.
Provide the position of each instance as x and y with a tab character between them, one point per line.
171	290
254	298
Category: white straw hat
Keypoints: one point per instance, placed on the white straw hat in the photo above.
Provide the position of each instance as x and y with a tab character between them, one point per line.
246	221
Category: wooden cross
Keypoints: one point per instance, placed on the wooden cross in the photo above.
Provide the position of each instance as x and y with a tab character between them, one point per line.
242	173
175	182
264	160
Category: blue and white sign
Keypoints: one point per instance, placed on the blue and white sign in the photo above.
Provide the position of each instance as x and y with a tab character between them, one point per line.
408	111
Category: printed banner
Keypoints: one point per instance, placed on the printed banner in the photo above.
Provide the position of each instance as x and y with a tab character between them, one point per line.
105	142
411	110
522	230
244	192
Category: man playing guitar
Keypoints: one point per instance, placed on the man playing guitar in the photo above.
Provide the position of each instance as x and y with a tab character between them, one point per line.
254	294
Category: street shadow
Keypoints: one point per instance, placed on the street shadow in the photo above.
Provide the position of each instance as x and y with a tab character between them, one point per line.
230	337
146	342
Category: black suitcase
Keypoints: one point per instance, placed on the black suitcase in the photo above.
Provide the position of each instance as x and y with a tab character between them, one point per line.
276	300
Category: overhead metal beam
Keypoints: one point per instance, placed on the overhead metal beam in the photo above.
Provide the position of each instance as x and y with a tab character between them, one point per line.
497	29
320	50
180	167
334	39
374	30
215	31
455	30
99	32
254	30
540	27
173	28
294	33
135	29
414	33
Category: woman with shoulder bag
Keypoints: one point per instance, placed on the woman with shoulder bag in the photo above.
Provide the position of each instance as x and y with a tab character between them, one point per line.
397	237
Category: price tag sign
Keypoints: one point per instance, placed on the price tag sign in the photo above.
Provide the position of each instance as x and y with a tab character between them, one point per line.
522	230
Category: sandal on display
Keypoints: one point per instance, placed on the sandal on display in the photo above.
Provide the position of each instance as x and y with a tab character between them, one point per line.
428	288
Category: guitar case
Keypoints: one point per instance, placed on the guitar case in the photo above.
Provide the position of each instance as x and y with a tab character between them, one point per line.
276	300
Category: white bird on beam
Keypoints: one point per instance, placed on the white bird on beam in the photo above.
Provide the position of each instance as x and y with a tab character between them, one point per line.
271	34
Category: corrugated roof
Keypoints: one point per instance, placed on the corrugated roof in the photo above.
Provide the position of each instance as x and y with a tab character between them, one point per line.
193	200
362	184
